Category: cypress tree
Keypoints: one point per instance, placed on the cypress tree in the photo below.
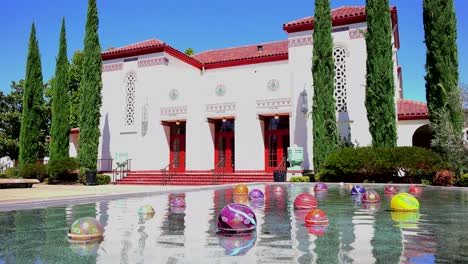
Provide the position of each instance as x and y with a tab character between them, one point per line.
31	136
90	92
60	127
380	84
323	72
440	34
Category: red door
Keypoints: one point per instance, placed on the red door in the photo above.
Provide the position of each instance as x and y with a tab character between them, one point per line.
224	145
276	141
177	147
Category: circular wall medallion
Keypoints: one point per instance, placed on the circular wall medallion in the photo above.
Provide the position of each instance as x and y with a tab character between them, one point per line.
174	94
220	90
273	85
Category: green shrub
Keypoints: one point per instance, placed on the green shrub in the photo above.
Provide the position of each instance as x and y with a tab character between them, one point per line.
62	170
32	171
11	173
463	180
102	179
380	165
2	176
300	179
426	182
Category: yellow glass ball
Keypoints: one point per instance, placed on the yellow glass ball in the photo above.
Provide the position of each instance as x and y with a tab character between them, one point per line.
404	202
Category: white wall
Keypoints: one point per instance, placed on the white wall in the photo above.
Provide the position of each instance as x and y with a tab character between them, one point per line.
406	129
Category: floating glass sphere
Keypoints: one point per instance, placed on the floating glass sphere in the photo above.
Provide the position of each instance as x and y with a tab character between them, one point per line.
320	187
86	228
236	218
390	189
341	184
305	201
349	186
241	198
404	202
256	194
415	189
257	203
316	217
146	209
370	196
237	245
85	248
177	202
357	189
241	189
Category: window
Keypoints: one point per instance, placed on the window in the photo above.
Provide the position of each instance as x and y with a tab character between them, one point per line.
130	99
339	54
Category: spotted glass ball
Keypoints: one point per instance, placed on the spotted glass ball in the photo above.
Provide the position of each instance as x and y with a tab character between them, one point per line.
320	187
146	209
241	189
404	202
316	217
237	245
236	218
305	201
256	194
86	228
177	202
357	189
390	189
371	196
415	189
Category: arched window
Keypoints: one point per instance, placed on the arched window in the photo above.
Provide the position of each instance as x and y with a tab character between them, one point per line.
339	53
130	81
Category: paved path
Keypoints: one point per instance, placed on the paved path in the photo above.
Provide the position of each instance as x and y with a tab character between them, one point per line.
44	192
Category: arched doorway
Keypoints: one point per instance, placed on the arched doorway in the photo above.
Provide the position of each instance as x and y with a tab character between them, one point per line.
422	137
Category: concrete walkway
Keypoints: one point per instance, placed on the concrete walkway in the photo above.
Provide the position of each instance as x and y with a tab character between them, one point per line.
44	192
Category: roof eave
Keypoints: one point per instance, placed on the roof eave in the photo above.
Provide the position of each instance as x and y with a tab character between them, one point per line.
335	22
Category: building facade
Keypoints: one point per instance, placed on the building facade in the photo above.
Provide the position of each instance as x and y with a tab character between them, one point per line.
237	108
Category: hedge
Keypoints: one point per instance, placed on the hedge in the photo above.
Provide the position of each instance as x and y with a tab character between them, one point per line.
300	179
102	179
62	170
385	164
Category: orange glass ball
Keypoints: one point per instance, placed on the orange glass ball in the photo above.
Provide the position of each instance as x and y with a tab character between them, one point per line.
316	217
241	189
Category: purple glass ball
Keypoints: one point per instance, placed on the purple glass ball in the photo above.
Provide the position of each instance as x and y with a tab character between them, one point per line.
236	218
320	187
357	189
256	194
178	202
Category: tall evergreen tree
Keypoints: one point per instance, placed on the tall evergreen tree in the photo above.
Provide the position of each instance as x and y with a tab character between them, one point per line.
90	91
323	72
440	27
380	84
60	129
32	121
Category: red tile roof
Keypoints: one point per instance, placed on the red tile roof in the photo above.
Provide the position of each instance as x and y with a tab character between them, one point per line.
410	110
250	52
147	44
337	13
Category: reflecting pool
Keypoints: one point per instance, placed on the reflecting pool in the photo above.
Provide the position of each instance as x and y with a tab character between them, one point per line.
357	232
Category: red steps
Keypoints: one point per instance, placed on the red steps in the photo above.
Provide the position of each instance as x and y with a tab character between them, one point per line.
194	178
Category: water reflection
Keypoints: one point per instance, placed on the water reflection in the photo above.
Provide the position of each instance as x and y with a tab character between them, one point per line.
357	232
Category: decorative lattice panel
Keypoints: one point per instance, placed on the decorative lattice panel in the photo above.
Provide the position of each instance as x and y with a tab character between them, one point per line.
340	79
130	88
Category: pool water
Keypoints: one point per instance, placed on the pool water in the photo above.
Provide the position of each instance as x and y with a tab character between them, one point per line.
356	233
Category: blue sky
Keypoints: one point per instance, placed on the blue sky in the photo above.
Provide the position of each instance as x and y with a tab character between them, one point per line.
201	25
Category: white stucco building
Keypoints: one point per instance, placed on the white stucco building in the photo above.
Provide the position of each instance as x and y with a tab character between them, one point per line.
237	107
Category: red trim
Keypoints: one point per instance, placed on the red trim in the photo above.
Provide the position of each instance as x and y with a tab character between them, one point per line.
183	57
240	62
335	22
396	33
130	53
181	138
414	117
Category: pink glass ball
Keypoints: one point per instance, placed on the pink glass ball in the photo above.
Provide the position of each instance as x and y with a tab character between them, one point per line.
236	218
415	189
390	189
305	201
371	196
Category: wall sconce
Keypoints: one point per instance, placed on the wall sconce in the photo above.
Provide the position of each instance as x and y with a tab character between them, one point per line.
224	120
177	122
304	106
276	117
